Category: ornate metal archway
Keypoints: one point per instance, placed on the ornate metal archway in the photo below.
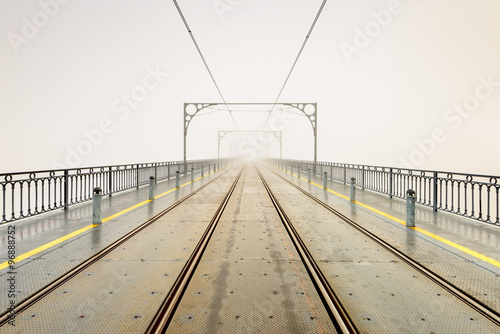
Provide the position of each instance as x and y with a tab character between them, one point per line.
277	134
312	116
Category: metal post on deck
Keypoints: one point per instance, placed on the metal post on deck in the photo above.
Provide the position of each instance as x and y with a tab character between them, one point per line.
298	172
177	179
309	175
353	189
151	188
202	170
192	174
97	206
324	180
410	208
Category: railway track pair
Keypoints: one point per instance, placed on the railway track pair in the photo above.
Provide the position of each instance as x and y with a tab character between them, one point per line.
337	313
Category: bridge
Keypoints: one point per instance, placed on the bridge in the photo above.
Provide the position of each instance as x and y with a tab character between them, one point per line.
232	246
251	239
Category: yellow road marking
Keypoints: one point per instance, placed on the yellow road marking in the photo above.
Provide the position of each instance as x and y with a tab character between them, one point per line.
418	229
88	227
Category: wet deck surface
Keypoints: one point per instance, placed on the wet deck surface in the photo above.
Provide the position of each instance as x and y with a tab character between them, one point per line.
250	278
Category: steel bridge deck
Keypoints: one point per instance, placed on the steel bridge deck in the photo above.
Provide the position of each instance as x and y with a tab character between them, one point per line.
250	278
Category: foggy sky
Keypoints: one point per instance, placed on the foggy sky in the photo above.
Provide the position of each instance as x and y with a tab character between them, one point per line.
396	81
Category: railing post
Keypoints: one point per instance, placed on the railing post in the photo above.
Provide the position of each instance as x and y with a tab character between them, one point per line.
363	179
410	208
353	189
324	181
66	189
137	177
435	192
97	206
390	183
110	181
345	174
168	172
177	179
151	188
156	172
309	175
192	174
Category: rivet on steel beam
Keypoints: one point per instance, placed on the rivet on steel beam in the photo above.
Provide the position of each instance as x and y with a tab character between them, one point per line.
353	189
97	206
151	188
410	208
177	179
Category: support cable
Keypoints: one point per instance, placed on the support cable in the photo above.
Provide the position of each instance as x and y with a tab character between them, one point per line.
204	61
296	59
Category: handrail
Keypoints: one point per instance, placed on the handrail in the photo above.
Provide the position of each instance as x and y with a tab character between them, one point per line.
474	196
26	194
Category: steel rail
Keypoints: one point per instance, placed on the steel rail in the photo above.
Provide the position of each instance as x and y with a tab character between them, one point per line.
337	313
43	292
478	306
166	311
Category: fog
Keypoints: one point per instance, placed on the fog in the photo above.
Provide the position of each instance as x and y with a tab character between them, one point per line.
397	82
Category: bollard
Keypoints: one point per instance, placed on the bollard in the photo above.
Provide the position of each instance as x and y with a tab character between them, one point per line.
97	209
177	179
192	174
202	171
353	189
324	181
298	172
214	168
151	188
309	175
410	208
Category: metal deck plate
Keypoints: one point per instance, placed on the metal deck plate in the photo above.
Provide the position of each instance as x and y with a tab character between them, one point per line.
381	293
121	293
251	279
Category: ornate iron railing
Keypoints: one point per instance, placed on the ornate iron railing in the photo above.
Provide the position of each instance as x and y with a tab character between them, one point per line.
26	194
469	195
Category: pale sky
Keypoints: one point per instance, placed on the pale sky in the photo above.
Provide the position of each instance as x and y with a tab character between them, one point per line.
397	81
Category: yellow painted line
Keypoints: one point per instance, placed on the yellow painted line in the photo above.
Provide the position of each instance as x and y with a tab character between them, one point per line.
124	211
380	212
86	228
418	229
46	246
457	246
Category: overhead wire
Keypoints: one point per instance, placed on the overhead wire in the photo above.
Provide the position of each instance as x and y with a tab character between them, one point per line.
204	61
295	62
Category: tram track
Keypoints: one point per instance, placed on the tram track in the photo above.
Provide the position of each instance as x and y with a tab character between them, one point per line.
49	288
337	314
478	306
167	309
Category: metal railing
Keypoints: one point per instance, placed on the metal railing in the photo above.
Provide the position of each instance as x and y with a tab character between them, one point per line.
26	194
469	195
